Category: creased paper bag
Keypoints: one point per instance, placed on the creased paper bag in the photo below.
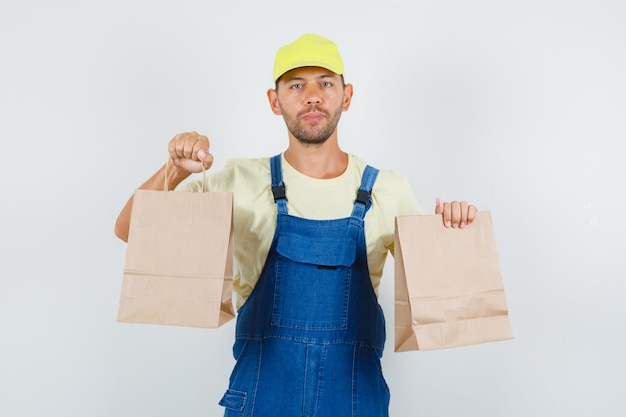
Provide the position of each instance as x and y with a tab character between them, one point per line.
448	284
179	259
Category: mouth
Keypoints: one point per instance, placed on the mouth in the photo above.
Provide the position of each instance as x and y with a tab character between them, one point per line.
313	115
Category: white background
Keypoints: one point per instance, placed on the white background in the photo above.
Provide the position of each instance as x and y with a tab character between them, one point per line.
516	106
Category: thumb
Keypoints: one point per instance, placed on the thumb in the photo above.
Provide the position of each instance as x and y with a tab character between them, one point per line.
206	158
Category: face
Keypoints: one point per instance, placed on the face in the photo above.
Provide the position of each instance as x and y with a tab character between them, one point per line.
311	100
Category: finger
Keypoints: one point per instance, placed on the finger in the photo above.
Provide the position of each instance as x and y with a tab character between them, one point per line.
201	145
177	146
447	214
472	212
438	206
183	150
464	213
455	212
201	151
185	145
189	146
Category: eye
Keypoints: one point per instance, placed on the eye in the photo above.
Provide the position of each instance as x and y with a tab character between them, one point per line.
326	84
296	86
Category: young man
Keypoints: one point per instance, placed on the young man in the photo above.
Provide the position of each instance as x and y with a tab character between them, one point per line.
313	227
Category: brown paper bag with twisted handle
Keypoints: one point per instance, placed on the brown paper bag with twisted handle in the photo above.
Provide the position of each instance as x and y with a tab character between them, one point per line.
179	259
448	284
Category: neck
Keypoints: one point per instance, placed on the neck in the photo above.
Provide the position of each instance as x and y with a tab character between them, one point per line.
317	161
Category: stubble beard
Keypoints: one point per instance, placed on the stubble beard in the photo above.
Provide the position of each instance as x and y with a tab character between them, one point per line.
316	133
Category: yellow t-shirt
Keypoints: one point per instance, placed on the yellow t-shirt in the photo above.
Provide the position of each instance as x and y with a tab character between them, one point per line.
254	210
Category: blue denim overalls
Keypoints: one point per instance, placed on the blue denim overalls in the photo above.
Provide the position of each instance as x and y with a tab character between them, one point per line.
310	337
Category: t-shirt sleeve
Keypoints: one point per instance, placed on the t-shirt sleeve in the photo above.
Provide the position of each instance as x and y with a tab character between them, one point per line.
396	199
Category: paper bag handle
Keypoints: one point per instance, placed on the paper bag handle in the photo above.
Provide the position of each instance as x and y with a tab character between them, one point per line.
166	186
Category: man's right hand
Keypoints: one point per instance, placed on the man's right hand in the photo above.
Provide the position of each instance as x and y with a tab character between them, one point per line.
189	151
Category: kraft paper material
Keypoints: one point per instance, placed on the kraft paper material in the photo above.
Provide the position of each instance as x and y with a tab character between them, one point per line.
448	284
179	260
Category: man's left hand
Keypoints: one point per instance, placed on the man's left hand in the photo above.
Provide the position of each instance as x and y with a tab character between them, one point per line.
456	214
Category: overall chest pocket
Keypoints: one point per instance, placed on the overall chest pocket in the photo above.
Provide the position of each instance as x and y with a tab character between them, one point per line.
312	281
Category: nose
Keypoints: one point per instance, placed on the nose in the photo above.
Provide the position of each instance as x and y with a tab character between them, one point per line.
312	95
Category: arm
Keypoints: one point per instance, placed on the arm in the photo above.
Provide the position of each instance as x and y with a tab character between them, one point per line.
188	151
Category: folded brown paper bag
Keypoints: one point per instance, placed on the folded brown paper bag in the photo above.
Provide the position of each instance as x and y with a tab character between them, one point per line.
179	259
448	284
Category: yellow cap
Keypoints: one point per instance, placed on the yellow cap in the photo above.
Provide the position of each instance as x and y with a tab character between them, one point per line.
308	51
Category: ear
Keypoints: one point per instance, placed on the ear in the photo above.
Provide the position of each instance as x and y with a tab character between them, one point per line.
348	90
272	96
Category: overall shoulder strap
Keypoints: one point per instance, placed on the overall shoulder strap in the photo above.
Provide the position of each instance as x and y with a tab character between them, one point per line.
278	186
363	200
